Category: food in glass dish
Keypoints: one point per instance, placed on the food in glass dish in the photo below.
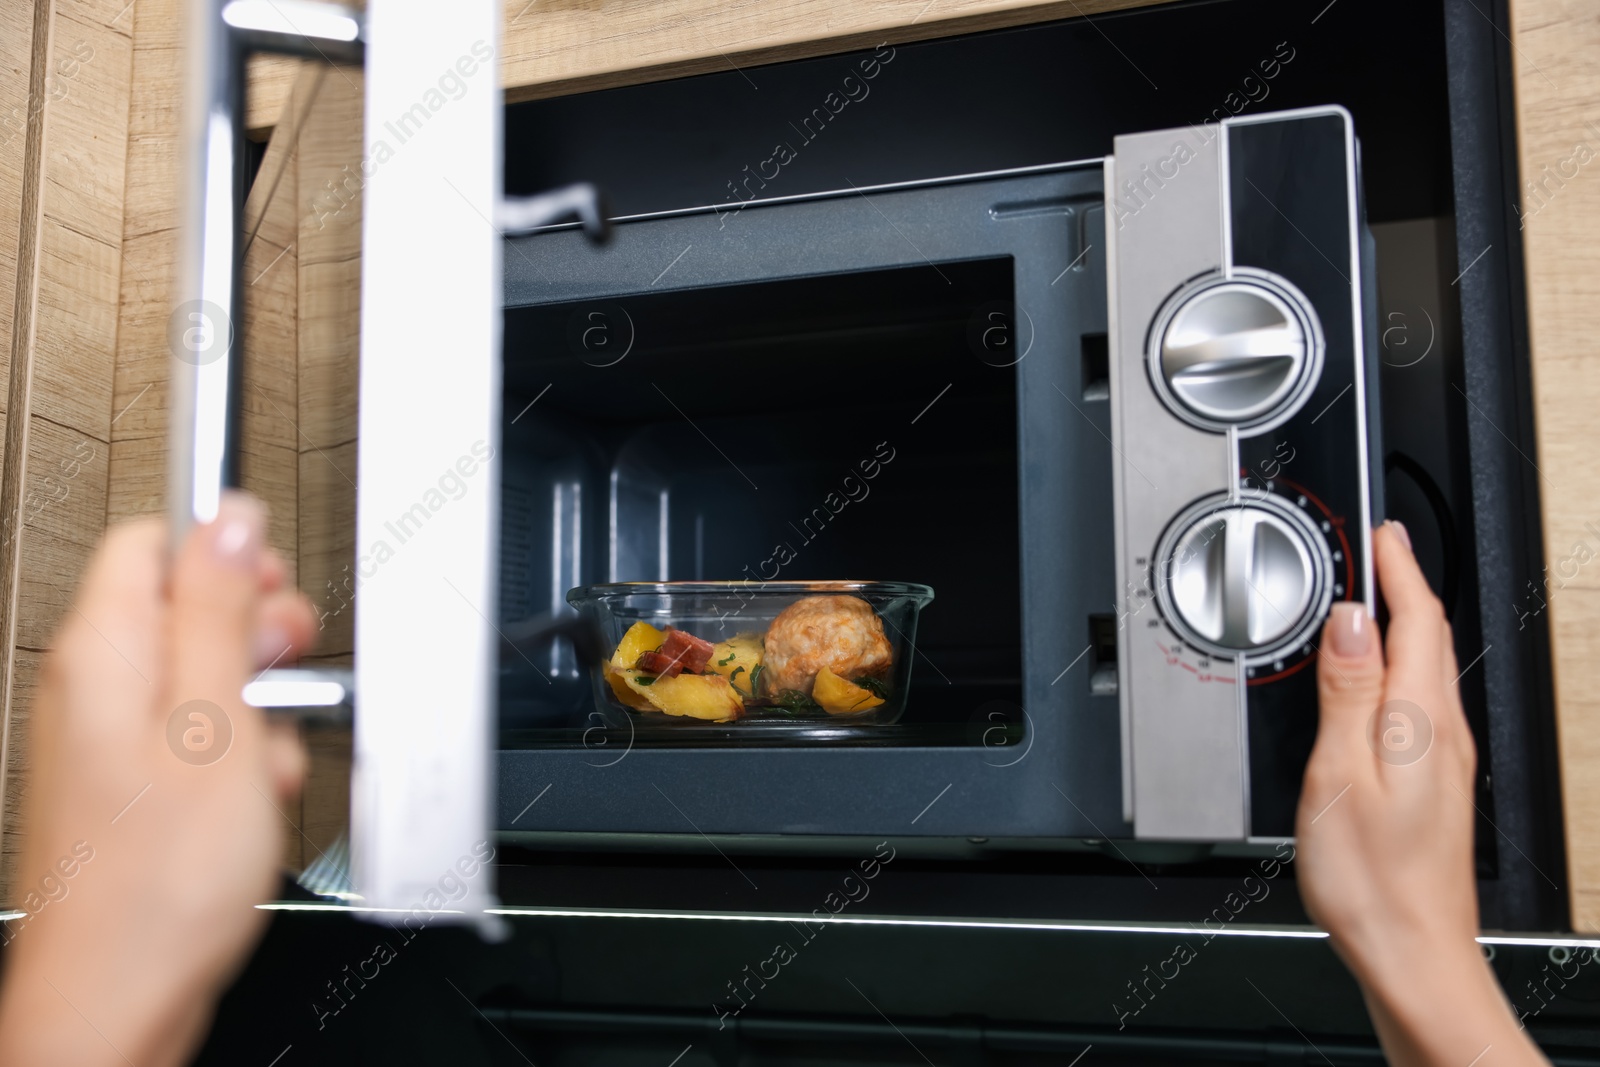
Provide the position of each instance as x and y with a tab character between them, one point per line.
821	656
650	670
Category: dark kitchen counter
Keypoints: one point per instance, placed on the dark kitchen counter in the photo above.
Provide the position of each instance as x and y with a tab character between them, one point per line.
692	992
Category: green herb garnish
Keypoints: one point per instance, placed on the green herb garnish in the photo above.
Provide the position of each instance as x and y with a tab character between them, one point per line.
876	686
731	657
755	679
645	679
734	675
797	703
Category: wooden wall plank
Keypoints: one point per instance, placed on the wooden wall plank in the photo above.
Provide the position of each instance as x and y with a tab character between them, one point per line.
63	515
25	665
329	221
268	332
16	63
269	325
29	183
330	263
1558	115
149	232
329	351
269	83
75	338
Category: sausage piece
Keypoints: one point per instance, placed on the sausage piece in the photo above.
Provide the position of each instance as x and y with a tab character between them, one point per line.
678	653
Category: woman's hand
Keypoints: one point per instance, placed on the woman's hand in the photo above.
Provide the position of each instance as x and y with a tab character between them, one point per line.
154	815
1385	827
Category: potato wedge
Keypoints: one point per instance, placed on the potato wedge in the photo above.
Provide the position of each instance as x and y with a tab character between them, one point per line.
839	697
640	638
625	694
695	696
739	651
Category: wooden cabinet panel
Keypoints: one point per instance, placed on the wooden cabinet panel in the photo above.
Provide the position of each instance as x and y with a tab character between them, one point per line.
328	544
16	62
270	288
329	223
75	332
1558	117
23	680
328	218
88	109
269	81
553	47
149	243
63	515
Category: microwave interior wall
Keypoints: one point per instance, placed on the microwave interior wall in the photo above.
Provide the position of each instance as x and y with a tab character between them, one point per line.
1433	130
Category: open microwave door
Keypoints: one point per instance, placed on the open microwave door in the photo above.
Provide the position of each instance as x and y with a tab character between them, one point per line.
429	387
423	778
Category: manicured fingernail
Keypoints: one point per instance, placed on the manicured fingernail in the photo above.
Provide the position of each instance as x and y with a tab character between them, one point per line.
272	644
1350	630
1400	531
239	530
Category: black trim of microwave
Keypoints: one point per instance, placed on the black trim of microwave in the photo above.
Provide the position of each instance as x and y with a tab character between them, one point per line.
1524	770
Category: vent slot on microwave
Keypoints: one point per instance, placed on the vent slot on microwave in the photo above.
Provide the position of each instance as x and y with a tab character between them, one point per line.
854	426
1096	363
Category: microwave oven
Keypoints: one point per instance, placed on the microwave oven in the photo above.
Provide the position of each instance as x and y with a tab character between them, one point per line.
1116	414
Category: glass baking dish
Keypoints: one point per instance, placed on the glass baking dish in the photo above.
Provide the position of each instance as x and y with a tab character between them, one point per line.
791	655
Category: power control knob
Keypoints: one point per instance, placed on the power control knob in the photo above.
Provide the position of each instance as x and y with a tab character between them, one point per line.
1244	577
1237	352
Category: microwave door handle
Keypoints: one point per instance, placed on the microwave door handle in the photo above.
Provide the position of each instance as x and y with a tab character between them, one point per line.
203	446
583	202
314	697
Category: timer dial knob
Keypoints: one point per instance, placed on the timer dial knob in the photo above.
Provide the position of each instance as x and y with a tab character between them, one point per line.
1249	577
1237	352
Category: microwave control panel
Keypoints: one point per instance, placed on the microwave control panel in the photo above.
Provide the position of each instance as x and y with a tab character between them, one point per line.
1242	395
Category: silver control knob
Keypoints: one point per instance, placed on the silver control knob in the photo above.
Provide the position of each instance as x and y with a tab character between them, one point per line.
1246	578
1236	352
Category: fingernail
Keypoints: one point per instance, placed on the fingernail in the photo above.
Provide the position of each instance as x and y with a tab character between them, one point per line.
239	530
1349	630
1400	531
272	643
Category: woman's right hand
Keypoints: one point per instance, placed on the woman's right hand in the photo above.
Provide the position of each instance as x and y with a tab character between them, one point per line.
1385	827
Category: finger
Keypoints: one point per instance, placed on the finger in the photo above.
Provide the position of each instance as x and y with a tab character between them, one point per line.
285	629
285	759
1447	640
274	572
111	639
215	595
1413	642
1455	716
1350	676
126	570
118	607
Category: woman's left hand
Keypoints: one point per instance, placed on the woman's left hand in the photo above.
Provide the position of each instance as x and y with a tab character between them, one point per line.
155	814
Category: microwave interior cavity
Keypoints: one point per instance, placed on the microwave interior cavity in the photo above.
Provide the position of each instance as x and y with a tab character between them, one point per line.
853	424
